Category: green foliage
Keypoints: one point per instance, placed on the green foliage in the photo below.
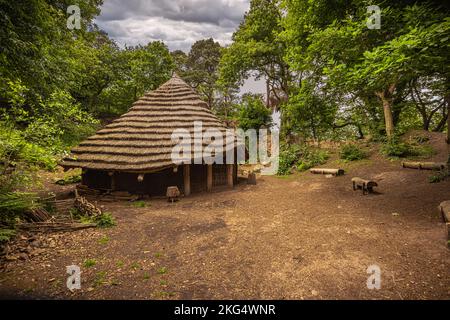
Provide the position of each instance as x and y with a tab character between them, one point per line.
105	220
394	148
14	205
71	179
89	263
162	270
352	152
438	177
103	240
300	157
139	204
309	112
398	70
201	69
253	114
398	149
6	235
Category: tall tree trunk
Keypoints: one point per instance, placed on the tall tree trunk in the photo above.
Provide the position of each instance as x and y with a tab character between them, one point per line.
386	98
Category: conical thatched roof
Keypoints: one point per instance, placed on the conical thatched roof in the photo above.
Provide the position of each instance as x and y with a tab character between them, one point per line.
140	140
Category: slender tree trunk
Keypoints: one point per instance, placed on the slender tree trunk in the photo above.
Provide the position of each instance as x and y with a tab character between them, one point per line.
386	98
388	118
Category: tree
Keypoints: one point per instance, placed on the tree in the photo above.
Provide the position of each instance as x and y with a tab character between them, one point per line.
253	114
257	49
351	59
202	68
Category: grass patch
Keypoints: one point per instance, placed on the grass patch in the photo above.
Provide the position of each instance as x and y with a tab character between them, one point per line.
139	204
120	264
162	270
146	276
135	266
89	263
158	255
103	240
100	279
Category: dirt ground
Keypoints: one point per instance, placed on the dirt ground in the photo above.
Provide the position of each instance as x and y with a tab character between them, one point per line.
299	237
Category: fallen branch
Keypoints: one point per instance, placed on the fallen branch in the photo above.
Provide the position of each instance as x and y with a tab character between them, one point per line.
55	226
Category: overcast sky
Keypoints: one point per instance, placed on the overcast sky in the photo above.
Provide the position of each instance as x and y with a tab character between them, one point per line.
179	23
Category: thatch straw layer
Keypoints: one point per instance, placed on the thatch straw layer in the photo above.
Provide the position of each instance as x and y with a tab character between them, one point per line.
141	139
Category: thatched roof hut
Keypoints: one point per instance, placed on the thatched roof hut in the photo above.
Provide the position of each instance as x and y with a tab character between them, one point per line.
133	153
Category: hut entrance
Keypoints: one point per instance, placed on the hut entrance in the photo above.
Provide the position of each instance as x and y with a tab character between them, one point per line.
154	184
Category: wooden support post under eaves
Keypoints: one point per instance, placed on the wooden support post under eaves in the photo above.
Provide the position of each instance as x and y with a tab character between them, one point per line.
113	181
187	179
209	178
230	170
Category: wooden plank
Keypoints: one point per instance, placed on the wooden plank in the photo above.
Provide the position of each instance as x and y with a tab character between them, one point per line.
187	179
230	171
209	178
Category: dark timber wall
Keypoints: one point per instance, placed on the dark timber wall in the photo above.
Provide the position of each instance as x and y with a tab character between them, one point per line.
155	184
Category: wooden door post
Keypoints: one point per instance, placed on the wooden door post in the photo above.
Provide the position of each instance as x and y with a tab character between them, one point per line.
230	171
209	178
187	179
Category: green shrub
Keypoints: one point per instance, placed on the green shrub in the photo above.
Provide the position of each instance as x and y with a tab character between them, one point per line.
105	220
6	235
69	180
352	152
394	148
288	156
438	177
311	158
300	157
139	204
13	206
88	263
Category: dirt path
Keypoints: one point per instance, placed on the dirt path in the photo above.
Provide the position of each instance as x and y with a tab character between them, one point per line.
301	237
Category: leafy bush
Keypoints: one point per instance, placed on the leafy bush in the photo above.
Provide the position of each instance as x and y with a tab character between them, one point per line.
13	205
394	148
14	148
352	152
288	156
438	177
105	220
253	114
311	158
6	235
69	180
300	157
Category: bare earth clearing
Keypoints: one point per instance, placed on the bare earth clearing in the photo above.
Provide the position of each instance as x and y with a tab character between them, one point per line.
301	237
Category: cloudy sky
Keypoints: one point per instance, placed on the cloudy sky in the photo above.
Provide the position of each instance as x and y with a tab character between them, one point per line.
179	23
